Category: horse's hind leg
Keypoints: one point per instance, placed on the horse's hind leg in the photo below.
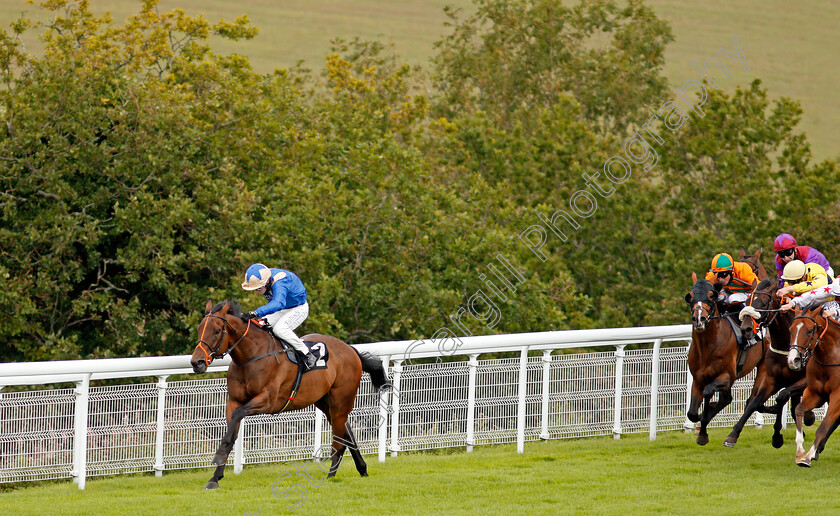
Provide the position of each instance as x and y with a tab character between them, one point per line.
361	466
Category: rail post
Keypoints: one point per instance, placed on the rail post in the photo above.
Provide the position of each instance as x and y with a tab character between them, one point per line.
473	367
160	427
80	428
546	385
523	386
619	381
395	407
383	415
654	388
239	447
688	426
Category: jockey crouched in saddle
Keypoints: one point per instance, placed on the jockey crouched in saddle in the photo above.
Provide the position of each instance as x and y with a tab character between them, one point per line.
787	251
286	308
738	280
819	290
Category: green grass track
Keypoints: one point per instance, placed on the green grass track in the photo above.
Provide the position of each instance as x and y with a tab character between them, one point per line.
586	476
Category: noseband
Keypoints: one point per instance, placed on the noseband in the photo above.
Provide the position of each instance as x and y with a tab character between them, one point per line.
813	341
214	352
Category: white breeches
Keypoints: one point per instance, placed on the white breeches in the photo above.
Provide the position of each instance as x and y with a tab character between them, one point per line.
284	322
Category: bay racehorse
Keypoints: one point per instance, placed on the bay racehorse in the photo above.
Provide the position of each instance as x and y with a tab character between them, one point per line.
713	355
773	374
815	345
260	379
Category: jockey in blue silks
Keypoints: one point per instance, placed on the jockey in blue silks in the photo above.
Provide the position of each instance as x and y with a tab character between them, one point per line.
286	308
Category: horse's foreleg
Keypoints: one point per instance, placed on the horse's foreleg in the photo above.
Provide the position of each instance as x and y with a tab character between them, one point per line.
696	400
829	423
219	473
810	401
763	387
722	386
778	439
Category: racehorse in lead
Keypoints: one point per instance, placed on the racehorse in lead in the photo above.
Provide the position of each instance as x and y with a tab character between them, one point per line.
261	380
713	355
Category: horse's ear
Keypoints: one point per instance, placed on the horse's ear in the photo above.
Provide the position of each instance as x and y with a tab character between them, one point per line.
208	306
757	254
742	252
223	312
693	277
688	298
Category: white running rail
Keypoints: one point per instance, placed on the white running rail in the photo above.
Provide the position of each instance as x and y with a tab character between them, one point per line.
547	392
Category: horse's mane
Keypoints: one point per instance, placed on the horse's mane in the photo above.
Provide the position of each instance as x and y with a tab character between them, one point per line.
765	283
234	310
811	306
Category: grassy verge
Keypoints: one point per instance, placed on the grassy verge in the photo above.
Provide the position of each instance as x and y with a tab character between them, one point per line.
587	476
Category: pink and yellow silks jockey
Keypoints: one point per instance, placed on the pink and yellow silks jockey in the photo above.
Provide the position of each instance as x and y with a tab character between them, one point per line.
739	278
828	295
787	251
800	277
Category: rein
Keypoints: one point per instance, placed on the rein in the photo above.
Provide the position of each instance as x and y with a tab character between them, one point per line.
214	352
814	341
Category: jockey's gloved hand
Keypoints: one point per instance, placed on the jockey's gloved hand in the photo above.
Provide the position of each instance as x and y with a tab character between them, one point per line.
252	315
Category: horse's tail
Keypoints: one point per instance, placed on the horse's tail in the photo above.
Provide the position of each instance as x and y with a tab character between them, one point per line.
373	367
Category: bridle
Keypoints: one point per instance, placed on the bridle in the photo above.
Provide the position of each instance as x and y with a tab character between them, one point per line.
214	352
813	341
774	311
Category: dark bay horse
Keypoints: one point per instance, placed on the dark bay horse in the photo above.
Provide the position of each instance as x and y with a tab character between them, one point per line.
773	373
815	345
260	380
713	355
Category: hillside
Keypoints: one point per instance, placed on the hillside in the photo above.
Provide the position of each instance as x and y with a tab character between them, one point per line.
787	45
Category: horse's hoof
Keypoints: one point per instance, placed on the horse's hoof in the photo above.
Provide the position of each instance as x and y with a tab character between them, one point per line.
730	442
211	485
364	474
809	418
778	440
805	463
703	439
219	460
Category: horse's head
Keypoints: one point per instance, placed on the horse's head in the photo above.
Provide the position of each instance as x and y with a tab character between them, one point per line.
214	334
805	333
761	299
754	261
702	300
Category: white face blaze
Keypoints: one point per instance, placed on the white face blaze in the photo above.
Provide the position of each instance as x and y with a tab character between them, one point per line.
793	360
698	312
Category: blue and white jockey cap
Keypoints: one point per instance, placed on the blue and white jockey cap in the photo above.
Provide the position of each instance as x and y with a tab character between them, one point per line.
256	277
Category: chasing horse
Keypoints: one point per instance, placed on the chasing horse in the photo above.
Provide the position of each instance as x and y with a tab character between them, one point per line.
815	346
263	379
715	357
762	315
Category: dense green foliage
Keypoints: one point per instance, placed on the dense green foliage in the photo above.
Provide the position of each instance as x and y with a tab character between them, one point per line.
142	172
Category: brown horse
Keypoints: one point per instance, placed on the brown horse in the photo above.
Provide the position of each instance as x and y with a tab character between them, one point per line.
713	355
261	378
773	373
815	345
